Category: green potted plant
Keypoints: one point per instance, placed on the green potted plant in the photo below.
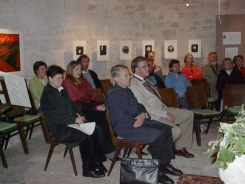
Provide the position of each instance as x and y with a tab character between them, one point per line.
230	146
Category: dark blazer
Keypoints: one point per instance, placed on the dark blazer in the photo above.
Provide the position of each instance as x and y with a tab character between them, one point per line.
123	107
95	79
59	111
223	78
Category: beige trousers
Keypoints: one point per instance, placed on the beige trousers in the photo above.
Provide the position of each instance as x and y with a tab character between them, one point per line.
182	127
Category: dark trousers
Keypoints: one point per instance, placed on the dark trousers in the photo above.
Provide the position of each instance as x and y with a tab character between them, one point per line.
91	151
163	146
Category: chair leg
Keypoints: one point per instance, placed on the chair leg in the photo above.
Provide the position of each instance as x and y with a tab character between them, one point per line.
27	130
50	152
209	123
72	160
7	141
65	152
197	131
138	151
46	137
31	130
118	149
23	140
4	161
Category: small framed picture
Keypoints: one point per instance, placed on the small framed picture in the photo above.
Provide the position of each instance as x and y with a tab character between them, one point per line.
102	50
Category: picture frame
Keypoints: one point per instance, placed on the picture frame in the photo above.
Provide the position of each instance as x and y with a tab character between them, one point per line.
148	45
170	49
103	50
79	48
125	50
195	48
11	47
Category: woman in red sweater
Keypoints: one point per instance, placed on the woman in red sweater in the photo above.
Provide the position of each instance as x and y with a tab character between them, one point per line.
83	95
191	71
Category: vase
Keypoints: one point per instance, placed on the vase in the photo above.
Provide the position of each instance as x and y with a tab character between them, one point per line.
235	173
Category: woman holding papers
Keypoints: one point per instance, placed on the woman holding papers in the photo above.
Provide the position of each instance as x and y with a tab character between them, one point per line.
83	95
59	111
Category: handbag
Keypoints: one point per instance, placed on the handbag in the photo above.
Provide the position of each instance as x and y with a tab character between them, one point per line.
139	171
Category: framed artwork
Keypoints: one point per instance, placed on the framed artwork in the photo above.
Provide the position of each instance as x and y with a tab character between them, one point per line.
170	49
102	50
125	50
79	48
147	45
11	50
194	47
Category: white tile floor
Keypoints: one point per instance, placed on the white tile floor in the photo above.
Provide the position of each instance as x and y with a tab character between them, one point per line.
28	169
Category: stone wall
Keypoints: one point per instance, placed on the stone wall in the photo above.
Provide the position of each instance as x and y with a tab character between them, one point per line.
50	26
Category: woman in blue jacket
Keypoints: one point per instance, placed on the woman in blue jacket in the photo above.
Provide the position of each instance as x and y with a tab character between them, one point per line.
175	79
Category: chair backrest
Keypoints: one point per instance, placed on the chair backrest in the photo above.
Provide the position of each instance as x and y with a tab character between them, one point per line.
196	97
169	97
233	95
100	95
4	91
204	84
113	134
106	84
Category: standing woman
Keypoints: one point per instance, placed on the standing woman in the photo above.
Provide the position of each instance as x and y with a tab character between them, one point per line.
83	95
191	71
38	82
59	111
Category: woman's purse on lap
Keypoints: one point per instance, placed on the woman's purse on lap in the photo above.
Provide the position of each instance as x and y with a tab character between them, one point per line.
139	171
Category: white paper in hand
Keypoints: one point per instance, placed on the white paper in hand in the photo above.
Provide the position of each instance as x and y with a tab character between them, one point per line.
87	128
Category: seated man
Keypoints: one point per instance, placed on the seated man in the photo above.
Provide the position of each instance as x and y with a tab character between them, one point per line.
90	75
129	120
180	119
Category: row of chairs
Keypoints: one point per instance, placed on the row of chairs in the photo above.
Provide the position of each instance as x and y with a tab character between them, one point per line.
197	101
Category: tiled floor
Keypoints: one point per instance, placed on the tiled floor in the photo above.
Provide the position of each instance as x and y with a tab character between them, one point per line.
28	169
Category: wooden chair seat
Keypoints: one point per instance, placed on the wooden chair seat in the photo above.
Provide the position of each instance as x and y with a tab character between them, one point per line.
8	130
121	143
53	143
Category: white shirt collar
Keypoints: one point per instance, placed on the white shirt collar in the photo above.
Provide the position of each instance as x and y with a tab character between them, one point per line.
139	77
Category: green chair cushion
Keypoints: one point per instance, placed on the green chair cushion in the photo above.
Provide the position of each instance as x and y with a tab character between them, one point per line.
211	100
5	127
205	112
234	110
28	118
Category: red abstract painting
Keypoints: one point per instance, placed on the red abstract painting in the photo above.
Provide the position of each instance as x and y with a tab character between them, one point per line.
9	52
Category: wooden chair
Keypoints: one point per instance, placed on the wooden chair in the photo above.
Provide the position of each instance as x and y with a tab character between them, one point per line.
100	95
169	97
206	87
8	129
121	143
106	84
233	97
28	119
197	102
53	143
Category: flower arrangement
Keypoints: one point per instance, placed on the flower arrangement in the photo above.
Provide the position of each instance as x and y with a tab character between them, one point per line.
231	141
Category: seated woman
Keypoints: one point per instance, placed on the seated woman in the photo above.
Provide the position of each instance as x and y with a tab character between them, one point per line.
83	95
228	75
239	64
175	79
38	82
191	71
60	111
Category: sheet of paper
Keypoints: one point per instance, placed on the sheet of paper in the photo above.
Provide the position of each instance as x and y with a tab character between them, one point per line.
230	38
231	52
87	128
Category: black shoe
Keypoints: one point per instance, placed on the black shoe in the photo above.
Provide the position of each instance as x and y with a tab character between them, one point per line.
101	167
169	169
93	174
164	179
